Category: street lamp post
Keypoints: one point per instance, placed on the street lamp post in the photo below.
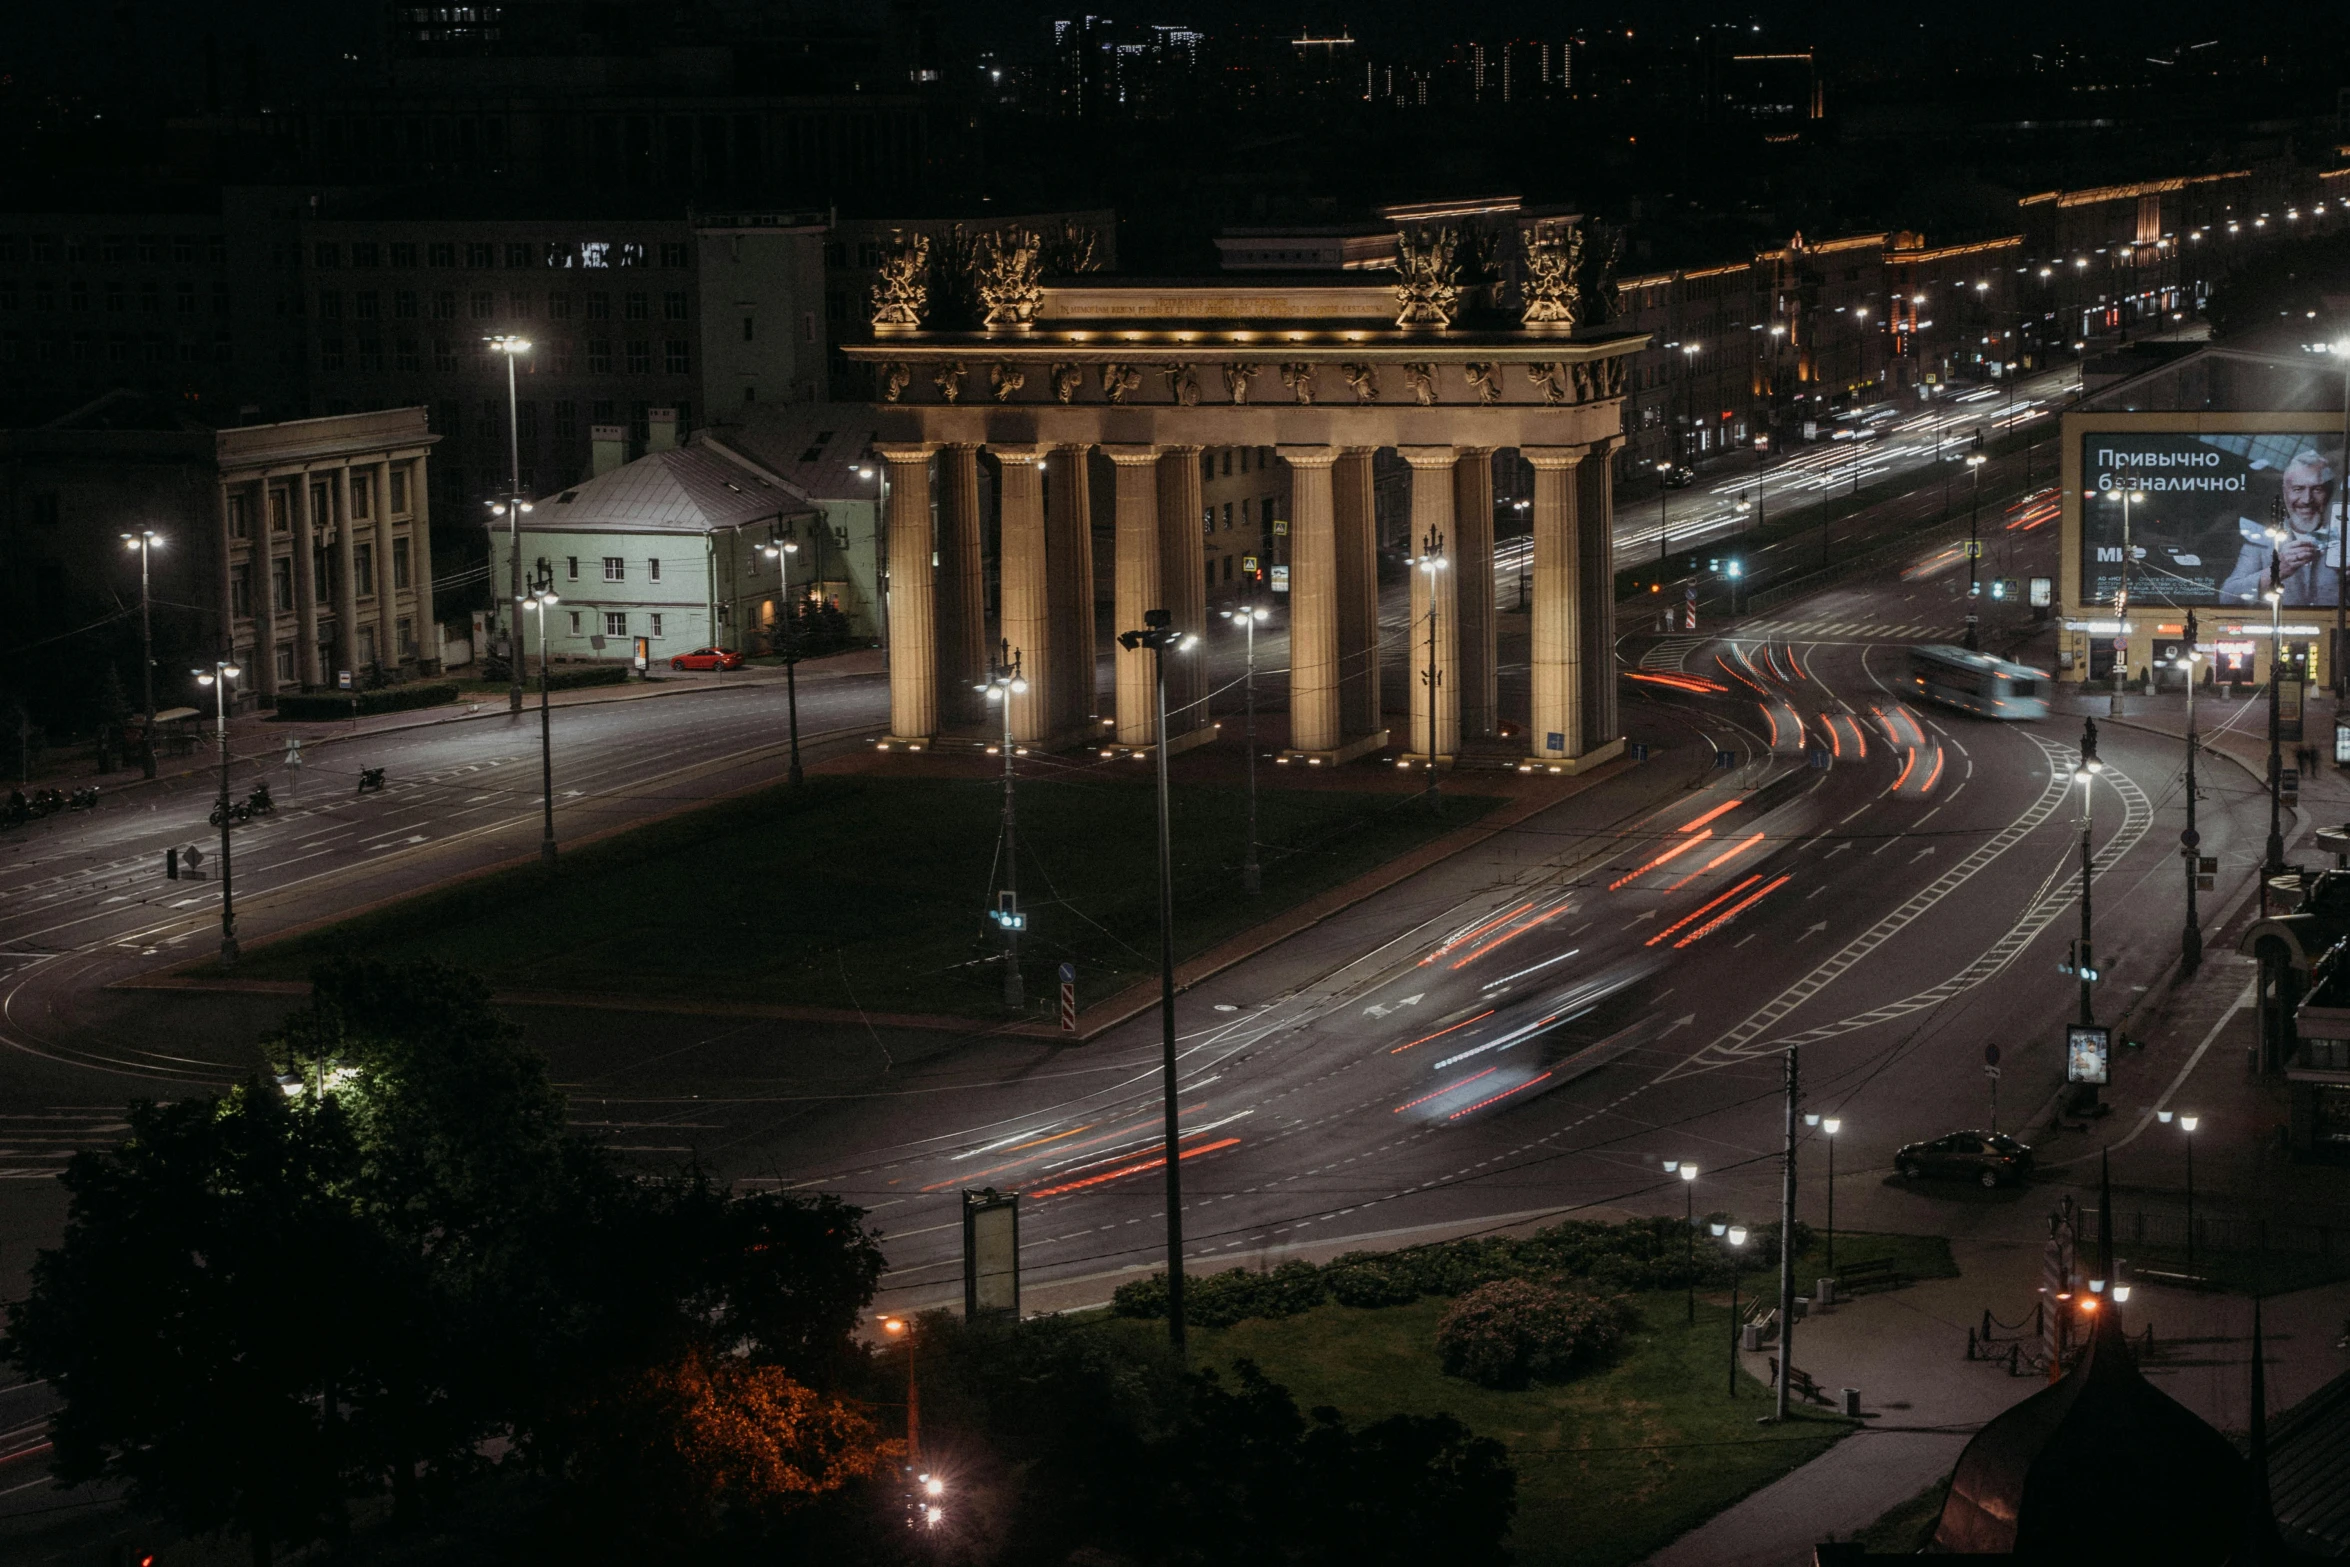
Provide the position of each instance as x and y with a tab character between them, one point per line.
899	1327
1664	528
1004	682
1762	504
1688	1173
2085	963
1431	560
1160	636
511	346
781	551
1974	546
541	594
145	541
1735	1234
218	677
2342	539
1252	879
2190	841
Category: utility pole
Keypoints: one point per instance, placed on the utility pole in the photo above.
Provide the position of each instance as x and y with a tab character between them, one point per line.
1974	544
1664	530
1432	561
542	593
1252	878
2273	860
510	346
2190	841
1787	1248
145	541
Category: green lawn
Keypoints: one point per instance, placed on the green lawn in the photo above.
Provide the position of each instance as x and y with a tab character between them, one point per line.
1610	1467
872	892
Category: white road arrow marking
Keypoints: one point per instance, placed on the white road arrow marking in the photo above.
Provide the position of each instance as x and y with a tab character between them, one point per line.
1377	1011
1921	854
1683	1021
1411	1001
1813	931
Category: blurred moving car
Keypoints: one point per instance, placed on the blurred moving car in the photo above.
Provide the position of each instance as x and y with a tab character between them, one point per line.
1987	1158
708	658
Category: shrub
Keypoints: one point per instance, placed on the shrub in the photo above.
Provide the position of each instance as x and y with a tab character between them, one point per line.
1218	1300
592	675
1514	1331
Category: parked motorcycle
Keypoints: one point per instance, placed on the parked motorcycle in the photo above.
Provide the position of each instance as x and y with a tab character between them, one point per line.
47	802
83	799
371	780
238	812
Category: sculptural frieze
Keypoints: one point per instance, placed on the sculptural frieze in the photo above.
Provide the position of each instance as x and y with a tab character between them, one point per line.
1552	379
948	378
895	378
1423	383
1182	384
1363	381
1120	382
1299	378
1066	380
1485	379
901	287
1007	379
1236	381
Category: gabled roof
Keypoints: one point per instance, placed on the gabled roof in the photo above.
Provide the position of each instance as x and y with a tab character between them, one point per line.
815	448
691	490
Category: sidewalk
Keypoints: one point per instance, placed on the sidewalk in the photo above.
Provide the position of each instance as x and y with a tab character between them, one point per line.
1921	1398
261	737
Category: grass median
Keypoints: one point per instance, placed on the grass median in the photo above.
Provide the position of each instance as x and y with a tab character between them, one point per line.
1611	1466
872	893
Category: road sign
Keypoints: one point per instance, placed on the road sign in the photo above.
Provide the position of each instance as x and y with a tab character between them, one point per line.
1990	1055
1281	579
1281	527
2088	1053
1069	998
1248	563
1992	1073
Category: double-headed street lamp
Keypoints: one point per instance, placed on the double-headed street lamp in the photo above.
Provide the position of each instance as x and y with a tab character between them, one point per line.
541	594
1974	543
2190	841
1252	878
1688	1173
2127	497
1735	1237
218	677
512	347
2187	1125
781	550
1004	682
2273	859
145	541
1829	1126
1159	635
1664	530
2084	961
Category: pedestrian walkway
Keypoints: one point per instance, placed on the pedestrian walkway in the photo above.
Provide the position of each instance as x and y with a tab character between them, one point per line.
1922	1398
1844	631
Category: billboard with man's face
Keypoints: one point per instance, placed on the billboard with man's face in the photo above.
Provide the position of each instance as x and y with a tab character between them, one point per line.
2198	534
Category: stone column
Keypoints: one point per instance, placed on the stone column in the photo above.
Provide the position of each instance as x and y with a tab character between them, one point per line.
1432	471
260	555
1595	532
1068	529
379	532
226	559
912	599
1555	720
1183	586
1355	524
1137	564
428	626
346	577
1027	587
962	587
1314	714
305	565
1472	570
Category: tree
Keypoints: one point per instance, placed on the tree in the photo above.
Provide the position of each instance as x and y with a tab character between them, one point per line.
111	710
194	1320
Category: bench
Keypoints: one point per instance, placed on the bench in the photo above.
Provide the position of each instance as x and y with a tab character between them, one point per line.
1875	1273
1799	1383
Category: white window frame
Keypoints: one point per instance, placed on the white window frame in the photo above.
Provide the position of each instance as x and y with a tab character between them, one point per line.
615	568
575	622
655	633
652	568
616	622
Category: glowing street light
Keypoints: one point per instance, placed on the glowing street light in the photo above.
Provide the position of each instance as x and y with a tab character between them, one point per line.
512	348
1248	619
1687	1170
1004	682
217	677
146	541
781	550
542	594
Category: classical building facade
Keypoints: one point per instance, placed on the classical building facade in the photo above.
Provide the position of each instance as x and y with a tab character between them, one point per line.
1322	374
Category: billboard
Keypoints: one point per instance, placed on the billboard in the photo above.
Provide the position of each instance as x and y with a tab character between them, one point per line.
2199	535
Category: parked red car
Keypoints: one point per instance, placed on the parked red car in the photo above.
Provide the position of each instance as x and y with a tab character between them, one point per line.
708	658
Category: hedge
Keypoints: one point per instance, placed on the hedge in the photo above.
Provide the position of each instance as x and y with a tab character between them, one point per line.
318	706
589	675
1638	1254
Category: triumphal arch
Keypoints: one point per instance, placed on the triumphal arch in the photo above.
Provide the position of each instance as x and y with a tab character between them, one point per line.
1445	371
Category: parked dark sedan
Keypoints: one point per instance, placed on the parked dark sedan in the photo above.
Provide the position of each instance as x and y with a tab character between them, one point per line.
1986	1158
